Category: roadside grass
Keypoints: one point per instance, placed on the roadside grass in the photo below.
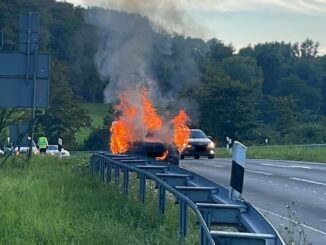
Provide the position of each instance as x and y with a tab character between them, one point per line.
55	202
98	112
295	153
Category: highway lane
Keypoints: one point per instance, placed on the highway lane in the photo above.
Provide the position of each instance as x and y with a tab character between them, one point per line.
271	185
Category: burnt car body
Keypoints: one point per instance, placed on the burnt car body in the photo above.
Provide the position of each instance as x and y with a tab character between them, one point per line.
156	150
199	144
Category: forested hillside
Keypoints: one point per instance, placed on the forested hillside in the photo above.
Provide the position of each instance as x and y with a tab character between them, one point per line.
272	90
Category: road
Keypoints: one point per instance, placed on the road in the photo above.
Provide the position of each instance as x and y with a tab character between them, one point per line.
271	185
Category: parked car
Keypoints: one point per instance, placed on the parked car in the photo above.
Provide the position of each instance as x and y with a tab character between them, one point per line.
53	150
199	144
23	149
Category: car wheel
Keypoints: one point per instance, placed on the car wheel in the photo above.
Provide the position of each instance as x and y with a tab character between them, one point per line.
210	156
196	156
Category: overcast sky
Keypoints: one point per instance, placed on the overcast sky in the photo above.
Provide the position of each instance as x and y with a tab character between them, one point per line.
240	22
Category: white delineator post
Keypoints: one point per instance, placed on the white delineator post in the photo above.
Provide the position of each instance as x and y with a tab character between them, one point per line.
238	169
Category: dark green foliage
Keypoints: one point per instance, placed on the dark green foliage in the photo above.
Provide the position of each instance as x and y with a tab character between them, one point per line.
65	34
65	116
99	137
98	140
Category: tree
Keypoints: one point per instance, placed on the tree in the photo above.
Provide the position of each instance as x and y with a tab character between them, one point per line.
9	117
218	50
244	70
304	97
308	48
276	60
65	116
99	137
285	118
228	108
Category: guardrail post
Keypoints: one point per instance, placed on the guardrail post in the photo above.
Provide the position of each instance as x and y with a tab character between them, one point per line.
116	174
93	168
142	188
108	172
102	169
206	217
162	199
125	181
183	218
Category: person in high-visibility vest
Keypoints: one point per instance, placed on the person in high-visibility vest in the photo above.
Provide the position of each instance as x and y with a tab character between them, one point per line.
42	144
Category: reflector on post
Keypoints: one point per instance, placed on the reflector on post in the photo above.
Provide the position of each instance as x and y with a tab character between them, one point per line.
238	168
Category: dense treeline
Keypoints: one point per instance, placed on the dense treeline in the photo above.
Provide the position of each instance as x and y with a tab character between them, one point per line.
272	90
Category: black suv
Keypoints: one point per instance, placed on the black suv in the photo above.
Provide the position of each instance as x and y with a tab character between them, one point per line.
199	145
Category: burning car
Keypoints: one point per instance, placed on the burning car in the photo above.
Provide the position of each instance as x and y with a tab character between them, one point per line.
158	150
139	129
199	144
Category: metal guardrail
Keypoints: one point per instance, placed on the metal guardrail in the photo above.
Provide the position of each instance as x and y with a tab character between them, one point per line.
208	200
275	146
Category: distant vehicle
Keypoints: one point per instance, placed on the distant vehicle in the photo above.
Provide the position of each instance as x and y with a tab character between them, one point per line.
53	150
199	144
25	149
22	149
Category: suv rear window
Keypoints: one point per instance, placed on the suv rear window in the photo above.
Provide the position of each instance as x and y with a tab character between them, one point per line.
197	134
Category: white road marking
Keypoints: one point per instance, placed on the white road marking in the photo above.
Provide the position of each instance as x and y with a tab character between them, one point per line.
287	161
284	166
308	181
211	165
293	221
258	172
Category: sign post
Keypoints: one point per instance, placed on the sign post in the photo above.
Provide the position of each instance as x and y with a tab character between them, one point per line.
238	169
25	75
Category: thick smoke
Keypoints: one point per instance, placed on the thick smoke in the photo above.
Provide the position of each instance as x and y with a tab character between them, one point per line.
125	51
130	56
170	14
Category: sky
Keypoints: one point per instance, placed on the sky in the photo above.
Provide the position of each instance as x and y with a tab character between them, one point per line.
240	22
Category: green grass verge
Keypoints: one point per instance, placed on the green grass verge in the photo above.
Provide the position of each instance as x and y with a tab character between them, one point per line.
55	202
295	153
97	112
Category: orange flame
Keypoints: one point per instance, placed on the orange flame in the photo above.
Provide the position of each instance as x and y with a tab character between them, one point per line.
181	130
119	137
121	133
163	157
151	119
138	119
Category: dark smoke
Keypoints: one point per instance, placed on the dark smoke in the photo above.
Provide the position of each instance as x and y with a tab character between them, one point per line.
132	54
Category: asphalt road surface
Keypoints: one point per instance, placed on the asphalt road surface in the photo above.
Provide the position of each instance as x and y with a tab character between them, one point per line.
272	185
